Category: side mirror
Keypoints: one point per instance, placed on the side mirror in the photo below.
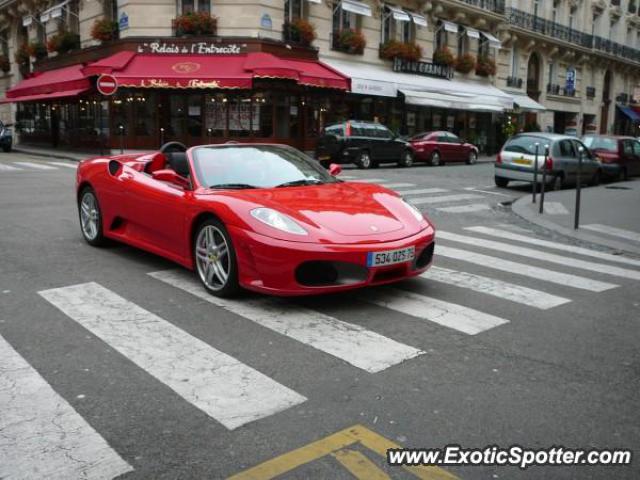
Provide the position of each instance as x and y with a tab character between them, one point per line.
335	169
170	176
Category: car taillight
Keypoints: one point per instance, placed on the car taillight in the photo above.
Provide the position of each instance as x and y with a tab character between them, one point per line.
348	129
548	164
498	158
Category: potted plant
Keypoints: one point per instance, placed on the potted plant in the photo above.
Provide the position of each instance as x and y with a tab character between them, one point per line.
63	42
465	63
443	56
38	50
406	51
195	23
104	30
5	65
486	66
350	41
300	31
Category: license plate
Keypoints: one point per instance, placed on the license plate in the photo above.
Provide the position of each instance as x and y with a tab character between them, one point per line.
522	161
390	257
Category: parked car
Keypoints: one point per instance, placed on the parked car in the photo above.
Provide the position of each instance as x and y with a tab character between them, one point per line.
437	148
6	137
516	160
620	156
365	144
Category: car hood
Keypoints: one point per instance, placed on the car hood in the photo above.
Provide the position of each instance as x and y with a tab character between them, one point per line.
337	212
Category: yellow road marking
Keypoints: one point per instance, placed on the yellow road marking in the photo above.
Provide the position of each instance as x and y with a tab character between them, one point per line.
332	444
360	466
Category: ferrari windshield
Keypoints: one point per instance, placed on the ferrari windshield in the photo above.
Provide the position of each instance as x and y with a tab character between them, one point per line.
256	166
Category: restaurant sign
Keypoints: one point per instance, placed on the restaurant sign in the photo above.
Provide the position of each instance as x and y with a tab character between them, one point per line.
193	48
423	68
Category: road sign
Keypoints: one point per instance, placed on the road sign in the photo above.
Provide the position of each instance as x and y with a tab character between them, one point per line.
107	84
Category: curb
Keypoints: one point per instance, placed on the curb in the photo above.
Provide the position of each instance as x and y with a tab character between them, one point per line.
60	156
519	207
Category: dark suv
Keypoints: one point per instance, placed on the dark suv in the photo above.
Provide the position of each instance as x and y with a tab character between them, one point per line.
365	144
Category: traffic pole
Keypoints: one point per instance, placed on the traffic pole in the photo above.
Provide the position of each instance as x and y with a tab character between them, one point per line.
576	222
544	178
535	175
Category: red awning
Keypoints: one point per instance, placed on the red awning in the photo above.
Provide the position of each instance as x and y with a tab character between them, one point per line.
212	71
62	82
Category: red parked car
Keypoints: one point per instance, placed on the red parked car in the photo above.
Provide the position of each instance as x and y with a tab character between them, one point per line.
620	156
437	148
257	216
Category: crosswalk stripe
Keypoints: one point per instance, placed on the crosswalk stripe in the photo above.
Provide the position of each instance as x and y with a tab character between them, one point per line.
369	180
42	435
347	177
399	185
8	168
221	386
451	315
445	198
495	232
63	164
496	288
474	207
37	166
352	343
541	274
613	231
422	191
540	255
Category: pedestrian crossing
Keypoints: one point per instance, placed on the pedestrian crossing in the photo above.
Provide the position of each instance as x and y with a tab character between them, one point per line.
36	166
235	394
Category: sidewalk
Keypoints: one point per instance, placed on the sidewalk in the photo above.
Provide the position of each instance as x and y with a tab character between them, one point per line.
615	205
64	154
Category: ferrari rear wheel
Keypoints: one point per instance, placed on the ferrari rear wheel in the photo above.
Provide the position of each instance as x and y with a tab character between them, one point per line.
90	218
215	259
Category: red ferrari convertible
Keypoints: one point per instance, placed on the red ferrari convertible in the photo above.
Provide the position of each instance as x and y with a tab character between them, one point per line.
262	217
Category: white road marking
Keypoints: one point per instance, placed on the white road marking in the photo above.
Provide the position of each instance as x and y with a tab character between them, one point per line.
540	255
347	177
445	198
496	288
555	208
8	168
352	343
41	435
422	191
221	386
542	274
494	232
613	231
369	180
399	185
474	207
451	315
37	166
63	164
490	192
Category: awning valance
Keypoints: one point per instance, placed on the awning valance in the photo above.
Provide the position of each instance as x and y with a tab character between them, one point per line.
526	103
450	26
469	102
213	71
398	13
494	42
472	33
67	81
418	19
45	96
378	81
354	6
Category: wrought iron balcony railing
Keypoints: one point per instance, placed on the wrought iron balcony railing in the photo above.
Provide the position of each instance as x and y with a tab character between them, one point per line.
496	6
553	89
514	82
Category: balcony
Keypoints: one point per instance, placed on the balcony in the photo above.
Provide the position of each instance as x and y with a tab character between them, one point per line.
495	6
591	92
514	82
568	93
553	89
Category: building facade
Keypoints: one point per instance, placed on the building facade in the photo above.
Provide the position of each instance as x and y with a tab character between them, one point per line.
279	70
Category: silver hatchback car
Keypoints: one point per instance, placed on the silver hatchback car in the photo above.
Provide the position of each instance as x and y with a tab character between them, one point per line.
516	160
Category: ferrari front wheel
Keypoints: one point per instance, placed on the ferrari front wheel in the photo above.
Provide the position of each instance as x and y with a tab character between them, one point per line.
215	259
90	217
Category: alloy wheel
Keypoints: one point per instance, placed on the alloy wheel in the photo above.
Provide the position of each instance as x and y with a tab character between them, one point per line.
212	257
89	216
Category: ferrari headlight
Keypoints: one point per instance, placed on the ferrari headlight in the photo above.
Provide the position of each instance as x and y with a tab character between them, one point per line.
416	213
278	220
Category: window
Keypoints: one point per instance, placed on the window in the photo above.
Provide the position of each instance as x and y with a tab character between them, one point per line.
441	37
524	144
552	73
387	27
536	7
406	32
188	6
342	19
572	17
70	19
292	10
483	47
601	143
4	43
636	149
514	62
567	149
627	147
463	42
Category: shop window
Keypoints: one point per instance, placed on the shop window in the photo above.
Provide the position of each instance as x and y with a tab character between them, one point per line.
176	127
287	117
241	119
143	108
188	6
263	115
215	120
292	10
120	115
194	116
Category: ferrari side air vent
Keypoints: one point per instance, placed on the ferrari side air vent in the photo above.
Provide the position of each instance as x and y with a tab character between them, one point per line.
114	167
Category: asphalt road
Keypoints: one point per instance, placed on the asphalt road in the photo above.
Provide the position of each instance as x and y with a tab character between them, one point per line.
497	345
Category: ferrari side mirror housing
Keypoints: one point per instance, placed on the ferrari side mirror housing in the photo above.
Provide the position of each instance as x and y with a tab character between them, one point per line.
335	169
170	176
